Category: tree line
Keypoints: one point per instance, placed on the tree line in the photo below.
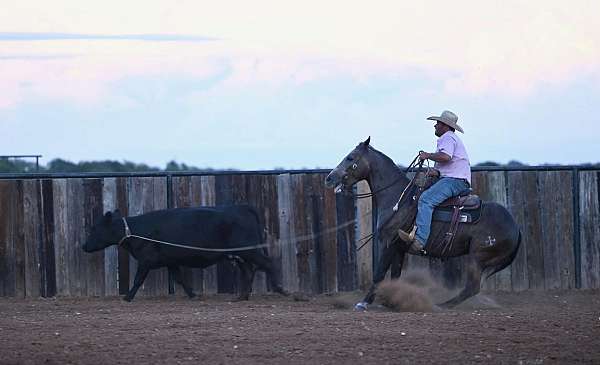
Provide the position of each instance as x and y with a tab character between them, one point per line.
62	166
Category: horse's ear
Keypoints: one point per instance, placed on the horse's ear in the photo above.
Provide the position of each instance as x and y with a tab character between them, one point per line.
366	143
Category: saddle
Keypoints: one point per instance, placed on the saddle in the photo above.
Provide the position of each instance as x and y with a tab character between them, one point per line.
464	208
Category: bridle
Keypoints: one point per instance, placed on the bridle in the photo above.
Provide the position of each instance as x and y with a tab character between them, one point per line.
373	193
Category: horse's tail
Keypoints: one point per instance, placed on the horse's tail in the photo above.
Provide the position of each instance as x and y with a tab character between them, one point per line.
502	265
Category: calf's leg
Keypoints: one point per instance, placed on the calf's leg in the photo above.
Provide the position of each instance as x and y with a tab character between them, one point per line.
265	264
140	276
246	277
178	276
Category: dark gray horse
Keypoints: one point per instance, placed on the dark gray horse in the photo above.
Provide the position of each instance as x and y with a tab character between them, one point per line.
490	244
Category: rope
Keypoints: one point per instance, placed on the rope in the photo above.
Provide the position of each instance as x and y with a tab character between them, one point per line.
241	248
368	238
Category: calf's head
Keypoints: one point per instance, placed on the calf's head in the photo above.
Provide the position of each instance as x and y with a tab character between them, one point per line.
108	231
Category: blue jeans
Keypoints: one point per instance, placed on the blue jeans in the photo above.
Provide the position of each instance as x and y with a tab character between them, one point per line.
443	189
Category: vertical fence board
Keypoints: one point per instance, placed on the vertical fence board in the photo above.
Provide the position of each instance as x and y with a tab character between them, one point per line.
259	195
208	197
196	276
32	229
329	245
346	213
300	223
270	201
109	203
61	236
47	254
6	257
227	192
94	266
287	233
535	246
589	205
123	255
556	200
528	268
315	181
364	257
12	253
76	228
18	240
147	194
516	204
181	197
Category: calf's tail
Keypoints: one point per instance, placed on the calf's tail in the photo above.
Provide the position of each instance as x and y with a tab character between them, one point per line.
261	233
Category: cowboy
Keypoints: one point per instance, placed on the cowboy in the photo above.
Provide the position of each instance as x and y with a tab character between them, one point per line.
452	166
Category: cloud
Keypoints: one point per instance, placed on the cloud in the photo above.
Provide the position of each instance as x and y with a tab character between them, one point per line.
470	47
10	36
36	57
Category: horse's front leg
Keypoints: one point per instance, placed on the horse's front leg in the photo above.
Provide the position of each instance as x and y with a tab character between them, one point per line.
384	264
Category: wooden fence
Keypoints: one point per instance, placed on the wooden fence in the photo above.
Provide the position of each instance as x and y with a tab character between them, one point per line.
44	221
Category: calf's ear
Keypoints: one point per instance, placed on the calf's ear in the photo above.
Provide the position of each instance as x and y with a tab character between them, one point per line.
107	217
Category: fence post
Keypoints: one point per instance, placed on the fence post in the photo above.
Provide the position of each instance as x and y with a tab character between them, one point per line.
576	231
170	204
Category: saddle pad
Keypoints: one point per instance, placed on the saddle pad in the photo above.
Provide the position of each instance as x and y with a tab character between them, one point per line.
443	214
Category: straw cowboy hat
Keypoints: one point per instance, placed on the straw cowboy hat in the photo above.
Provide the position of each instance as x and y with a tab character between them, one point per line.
449	119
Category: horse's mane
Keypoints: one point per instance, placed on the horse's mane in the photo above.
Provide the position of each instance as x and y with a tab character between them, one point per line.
385	158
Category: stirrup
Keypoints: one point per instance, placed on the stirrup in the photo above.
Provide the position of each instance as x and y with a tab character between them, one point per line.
408	237
416	248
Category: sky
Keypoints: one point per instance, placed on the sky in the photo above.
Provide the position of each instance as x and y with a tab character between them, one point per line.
297	84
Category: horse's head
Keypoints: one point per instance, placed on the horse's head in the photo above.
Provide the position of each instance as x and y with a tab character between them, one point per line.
353	168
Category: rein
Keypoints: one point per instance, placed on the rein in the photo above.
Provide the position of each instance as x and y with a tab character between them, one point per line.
371	194
369	237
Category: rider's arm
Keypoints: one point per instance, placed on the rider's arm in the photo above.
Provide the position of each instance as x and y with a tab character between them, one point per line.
437	157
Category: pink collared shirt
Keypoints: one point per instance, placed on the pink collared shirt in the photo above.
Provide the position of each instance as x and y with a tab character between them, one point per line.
458	166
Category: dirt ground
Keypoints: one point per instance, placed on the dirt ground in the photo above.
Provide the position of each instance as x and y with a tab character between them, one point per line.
513	328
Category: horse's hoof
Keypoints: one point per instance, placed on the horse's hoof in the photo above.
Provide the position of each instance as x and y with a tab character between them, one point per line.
360	306
127	299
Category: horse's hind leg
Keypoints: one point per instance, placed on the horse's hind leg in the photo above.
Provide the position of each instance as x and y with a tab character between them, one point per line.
472	285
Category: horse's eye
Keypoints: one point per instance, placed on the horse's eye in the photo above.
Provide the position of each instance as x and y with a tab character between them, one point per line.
354	166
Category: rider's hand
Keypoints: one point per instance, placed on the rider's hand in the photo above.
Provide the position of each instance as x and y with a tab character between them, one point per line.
433	173
424	155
